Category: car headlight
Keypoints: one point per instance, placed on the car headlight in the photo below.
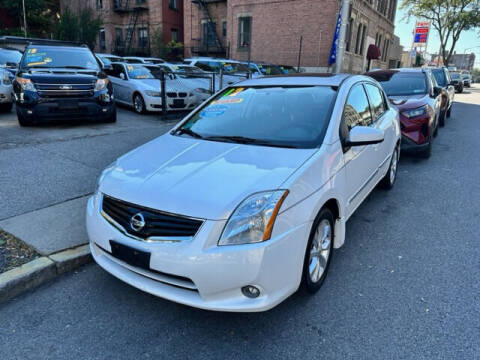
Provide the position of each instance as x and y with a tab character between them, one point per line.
416	112
6	78
252	221
202	91
101	84
26	84
153	93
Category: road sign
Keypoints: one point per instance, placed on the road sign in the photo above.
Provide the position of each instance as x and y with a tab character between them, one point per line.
420	37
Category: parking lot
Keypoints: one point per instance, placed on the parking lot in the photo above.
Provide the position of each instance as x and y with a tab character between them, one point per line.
406	282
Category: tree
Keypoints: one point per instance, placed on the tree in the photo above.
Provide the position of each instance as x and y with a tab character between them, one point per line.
40	15
83	28
448	17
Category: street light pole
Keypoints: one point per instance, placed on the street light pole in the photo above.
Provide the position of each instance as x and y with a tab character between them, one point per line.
24	19
342	36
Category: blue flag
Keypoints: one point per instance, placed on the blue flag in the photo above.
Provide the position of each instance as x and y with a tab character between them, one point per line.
333	50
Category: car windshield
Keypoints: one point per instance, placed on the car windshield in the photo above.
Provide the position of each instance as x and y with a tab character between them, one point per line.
154	61
440	77
156	71
59	57
283	116
402	83
455	76
134	61
139	72
188	70
9	56
270	70
465	76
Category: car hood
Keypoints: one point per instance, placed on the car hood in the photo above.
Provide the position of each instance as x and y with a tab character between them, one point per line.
198	178
405	102
154	84
61	76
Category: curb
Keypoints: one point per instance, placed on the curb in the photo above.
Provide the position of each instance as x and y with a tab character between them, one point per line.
38	271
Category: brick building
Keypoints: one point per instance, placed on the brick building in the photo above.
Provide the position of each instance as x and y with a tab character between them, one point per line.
270	31
129	25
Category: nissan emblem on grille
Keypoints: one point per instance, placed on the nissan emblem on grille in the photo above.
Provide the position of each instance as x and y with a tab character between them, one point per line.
137	222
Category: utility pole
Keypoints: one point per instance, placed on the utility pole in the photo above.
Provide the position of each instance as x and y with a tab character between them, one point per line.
24	19
341	37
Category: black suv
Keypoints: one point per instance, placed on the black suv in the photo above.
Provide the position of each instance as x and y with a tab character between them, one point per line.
62	83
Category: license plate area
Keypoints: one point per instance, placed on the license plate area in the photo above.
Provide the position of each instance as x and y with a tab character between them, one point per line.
178	102
131	256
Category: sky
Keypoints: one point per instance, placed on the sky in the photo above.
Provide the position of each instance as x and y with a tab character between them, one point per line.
404	30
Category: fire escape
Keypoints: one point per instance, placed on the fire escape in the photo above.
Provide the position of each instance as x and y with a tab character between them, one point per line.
210	43
136	10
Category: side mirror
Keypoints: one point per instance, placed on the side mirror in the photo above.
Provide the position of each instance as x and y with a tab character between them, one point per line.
107	67
364	135
437	91
122	76
11	64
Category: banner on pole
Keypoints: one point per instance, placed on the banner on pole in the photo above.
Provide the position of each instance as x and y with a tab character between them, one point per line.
333	50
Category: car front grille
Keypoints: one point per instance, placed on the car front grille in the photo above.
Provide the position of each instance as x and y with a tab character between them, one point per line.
182	94
172	94
65	90
158	224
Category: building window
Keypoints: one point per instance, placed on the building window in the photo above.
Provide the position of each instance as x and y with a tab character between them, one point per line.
174	34
101	37
244	31
173	4
386	45
209	29
99	4
224	28
118	37
142	37
349	35
364	35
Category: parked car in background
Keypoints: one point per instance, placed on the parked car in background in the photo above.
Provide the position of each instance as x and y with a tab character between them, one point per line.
467	80
134	85
442	76
108	59
419	101
142	60
6	90
233	71
255	185
9	59
457	81
57	82
287	69
189	76
201	91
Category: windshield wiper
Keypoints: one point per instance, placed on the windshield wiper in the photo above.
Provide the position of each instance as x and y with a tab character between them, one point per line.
72	67
247	140
188	132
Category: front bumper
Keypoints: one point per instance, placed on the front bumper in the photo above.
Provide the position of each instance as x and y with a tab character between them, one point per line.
201	274
173	104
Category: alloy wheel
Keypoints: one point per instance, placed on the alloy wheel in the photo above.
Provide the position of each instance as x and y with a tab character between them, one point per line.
320	251
138	103
393	167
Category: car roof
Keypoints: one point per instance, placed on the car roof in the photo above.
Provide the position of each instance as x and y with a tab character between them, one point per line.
70	47
299	80
212	59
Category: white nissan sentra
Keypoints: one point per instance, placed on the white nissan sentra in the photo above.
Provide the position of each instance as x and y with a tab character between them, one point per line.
243	201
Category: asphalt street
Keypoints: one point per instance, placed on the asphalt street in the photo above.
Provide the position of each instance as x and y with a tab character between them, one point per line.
406	285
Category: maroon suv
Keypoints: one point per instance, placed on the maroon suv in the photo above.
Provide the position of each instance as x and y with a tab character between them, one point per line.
418	99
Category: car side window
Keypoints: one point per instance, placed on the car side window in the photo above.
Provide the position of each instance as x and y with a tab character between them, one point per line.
377	101
204	66
356	112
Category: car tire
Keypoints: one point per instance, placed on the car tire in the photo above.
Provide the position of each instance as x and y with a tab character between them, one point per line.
138	104
427	152
6	107
435	130
113	117
460	90
390	177
441	119
449	112
23	121
318	252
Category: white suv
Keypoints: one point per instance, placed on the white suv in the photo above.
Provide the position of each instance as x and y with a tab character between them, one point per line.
246	198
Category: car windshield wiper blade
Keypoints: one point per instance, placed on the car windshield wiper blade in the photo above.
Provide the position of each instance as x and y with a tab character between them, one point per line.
247	140
189	132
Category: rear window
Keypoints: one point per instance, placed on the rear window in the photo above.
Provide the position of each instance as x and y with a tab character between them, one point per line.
9	56
59	57
455	76
280	116
402	83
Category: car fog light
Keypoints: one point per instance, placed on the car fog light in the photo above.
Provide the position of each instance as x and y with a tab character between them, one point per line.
250	291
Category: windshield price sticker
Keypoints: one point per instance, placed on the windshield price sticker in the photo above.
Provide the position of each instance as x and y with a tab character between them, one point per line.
236	91
227	101
214	111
